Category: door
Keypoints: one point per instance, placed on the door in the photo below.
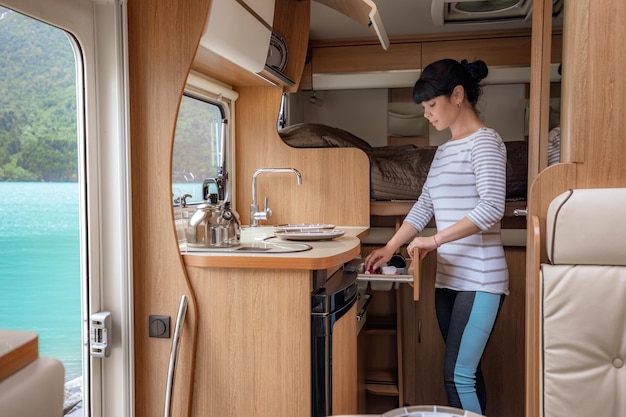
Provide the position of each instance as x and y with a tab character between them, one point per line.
66	167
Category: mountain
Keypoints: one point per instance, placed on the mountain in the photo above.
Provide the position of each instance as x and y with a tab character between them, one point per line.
38	129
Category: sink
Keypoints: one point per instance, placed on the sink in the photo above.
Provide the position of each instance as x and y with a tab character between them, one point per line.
255	240
255	247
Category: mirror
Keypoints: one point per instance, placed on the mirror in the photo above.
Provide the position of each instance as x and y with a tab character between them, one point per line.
199	155
198	149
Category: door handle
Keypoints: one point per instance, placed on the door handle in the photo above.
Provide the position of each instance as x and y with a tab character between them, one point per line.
169	388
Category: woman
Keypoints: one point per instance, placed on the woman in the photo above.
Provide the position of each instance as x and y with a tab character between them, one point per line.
465	191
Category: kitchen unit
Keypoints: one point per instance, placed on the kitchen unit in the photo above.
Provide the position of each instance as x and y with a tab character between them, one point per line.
247	313
254	352
246	350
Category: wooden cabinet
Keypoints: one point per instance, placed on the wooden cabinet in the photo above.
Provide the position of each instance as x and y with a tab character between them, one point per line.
503	361
380	354
253	353
402	347
291	21
423	345
497	49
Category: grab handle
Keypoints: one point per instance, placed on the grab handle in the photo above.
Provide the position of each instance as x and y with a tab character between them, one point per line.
180	320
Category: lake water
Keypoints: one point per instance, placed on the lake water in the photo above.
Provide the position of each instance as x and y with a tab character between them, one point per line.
40	267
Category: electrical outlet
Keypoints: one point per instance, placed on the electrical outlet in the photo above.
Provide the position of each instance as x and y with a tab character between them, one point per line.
159	326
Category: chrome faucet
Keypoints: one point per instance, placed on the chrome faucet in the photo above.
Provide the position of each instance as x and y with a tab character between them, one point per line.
255	214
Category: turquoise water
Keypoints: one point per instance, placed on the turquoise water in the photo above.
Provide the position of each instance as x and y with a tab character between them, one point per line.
40	267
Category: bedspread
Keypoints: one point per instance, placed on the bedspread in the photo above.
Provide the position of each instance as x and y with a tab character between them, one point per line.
399	172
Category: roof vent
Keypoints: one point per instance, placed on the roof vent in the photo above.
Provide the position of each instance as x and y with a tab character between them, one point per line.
449	12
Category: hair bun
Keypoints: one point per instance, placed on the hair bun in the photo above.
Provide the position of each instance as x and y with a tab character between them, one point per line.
477	69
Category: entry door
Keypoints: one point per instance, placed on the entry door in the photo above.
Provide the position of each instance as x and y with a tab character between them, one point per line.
64	201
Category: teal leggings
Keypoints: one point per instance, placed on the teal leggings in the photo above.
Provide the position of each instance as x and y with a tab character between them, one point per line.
466	319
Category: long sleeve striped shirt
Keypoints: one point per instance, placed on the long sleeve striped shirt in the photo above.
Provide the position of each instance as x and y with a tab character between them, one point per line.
467	178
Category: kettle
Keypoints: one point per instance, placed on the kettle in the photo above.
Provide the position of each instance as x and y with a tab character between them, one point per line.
213	224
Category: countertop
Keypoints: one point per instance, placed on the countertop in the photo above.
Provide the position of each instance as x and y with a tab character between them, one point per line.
324	254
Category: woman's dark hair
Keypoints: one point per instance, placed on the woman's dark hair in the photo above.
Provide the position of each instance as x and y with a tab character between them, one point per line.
440	78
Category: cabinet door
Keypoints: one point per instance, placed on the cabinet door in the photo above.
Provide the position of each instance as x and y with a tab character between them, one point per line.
344	364
423	345
503	361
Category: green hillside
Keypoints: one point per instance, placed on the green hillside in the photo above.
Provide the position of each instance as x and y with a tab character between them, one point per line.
38	139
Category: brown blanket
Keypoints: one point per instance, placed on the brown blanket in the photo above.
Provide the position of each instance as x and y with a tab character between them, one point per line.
399	172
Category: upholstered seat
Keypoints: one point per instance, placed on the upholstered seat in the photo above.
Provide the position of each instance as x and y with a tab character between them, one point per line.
583	302
30	385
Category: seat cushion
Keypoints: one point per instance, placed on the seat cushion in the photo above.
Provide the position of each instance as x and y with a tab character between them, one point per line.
584	340
36	390
587	226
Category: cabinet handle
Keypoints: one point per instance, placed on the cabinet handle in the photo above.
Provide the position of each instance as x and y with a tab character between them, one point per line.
520	212
419	331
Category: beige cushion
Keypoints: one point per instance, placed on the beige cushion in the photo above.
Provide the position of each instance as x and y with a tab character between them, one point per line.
36	390
584	340
583	335
587	227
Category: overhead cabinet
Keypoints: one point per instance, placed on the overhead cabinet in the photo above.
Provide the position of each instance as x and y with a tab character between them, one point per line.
254	42
240	33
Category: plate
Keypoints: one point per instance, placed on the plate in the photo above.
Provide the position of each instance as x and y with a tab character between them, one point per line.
277	53
303	227
311	235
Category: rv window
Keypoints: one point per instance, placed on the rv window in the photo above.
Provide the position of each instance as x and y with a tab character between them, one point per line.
198	143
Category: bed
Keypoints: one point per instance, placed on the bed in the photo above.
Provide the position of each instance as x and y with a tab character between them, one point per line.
397	173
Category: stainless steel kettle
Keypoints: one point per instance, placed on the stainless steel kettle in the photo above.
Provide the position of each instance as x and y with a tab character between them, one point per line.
214	225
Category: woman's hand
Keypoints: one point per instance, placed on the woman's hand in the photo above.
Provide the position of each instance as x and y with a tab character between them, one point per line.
379	257
424	243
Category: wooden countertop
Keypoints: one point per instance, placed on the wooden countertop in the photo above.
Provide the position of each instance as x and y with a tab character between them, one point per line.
324	254
18	348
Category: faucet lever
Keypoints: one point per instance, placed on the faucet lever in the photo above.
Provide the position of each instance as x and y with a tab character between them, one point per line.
255	213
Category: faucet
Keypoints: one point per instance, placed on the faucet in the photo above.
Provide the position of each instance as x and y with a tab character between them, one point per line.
255	214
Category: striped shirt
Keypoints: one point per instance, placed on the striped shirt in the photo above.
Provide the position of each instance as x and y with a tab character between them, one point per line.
554	146
467	178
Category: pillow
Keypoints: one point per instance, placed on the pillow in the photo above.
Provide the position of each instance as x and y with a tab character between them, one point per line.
313	135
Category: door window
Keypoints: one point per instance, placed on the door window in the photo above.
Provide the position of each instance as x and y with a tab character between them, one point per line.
40	262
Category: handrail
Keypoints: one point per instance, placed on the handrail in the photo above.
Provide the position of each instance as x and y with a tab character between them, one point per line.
180	320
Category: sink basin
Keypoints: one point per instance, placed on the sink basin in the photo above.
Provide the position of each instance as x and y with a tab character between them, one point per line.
255	247
256	240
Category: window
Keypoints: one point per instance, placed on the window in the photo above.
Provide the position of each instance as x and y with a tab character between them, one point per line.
198	148
40	226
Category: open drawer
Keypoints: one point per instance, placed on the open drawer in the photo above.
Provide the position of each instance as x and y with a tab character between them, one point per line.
387	282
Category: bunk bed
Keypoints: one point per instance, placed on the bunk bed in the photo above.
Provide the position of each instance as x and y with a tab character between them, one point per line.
397	173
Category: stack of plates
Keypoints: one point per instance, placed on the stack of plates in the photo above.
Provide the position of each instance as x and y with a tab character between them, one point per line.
307	231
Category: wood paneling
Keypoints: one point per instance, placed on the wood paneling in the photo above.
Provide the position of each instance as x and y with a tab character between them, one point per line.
291	21
551	182
335	181
539	89
344	369
495	52
255	338
593	92
366	58
162	40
